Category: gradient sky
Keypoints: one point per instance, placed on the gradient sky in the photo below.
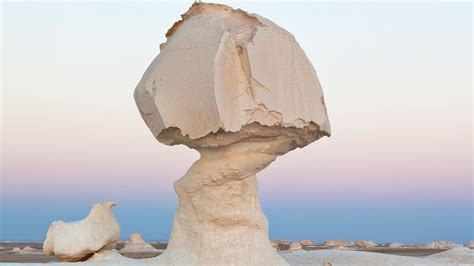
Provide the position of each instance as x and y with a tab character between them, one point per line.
397	79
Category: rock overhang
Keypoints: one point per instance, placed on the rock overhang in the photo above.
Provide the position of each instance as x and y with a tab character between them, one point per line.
223	72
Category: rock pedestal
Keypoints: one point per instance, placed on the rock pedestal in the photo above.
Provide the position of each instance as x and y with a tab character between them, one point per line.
238	89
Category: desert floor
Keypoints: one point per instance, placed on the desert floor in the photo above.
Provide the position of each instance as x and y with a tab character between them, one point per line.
37	256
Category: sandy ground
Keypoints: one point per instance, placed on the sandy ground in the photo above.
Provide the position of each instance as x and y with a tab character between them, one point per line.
310	256
6	254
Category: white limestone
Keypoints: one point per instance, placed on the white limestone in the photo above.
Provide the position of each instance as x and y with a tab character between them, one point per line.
137	244
240	90
395	245
337	243
79	240
364	243
306	242
222	69
441	244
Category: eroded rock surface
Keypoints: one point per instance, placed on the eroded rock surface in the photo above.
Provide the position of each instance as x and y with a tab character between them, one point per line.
137	244
337	243
76	241
239	89
365	243
222	69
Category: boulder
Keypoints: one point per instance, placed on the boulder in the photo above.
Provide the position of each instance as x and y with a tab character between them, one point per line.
365	243
337	243
395	245
295	246
28	248
306	242
76	241
137	244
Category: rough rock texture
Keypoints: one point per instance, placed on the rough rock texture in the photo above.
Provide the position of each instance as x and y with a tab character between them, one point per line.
365	243
337	243
241	91
79	240
222	69
136	244
306	242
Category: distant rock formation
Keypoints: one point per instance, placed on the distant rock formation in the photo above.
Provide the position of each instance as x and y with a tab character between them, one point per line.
306	242
295	246
337	243
137	244
79	240
395	245
28	248
16	249
441	245
365	243
469	244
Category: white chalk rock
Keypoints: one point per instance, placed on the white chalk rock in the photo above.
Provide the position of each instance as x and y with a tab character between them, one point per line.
441	244
295	246
28	248
395	245
365	243
222	69
306	242
16	249
241	91
337	243
79	240
137	244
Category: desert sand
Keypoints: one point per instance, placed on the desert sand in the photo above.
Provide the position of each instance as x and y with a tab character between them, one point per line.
389	256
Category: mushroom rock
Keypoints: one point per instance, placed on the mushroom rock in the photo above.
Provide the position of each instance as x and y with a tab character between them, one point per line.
79	240
137	244
240	90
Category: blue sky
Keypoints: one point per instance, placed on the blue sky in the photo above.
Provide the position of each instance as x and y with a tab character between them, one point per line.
397	79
